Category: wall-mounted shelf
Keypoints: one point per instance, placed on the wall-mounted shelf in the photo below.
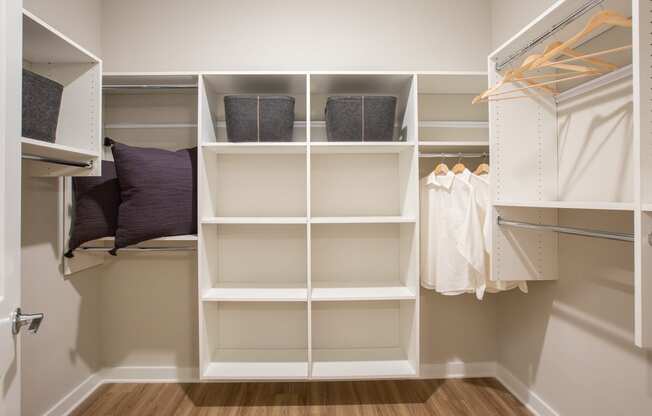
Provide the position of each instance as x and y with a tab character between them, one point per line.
398	219
53	55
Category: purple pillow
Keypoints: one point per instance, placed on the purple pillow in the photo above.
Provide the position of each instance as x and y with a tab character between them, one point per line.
158	191
96	202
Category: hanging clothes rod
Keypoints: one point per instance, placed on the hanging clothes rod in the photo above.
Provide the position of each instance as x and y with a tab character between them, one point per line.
136	249
85	165
588	6
568	230
462	155
149	87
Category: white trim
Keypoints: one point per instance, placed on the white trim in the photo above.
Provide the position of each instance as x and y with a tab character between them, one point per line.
450	370
149	375
458	369
76	397
523	393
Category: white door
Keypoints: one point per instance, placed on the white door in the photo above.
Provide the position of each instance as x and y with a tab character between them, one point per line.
10	114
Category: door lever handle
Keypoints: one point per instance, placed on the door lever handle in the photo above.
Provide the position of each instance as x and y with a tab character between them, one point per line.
31	320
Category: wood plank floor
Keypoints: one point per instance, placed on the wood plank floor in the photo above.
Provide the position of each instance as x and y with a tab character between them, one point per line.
481	396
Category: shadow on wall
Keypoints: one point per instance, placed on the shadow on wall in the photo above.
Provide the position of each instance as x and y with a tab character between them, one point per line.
584	322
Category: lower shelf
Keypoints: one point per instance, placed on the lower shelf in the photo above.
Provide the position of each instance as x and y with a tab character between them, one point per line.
239	364
333	364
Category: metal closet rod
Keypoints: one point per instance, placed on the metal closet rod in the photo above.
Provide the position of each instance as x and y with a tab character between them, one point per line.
149	86
581	11
568	230
462	155
85	165
136	249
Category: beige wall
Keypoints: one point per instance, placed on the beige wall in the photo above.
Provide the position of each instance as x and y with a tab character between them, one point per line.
572	341
66	350
510	16
167	35
80	20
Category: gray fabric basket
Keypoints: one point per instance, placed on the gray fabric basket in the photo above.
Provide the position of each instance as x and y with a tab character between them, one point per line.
360	118
41	105
259	118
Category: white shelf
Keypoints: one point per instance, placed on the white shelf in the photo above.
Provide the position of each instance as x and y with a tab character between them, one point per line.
449	145
359	147
260	294
256	371
362	293
456	124
55	151
363	220
253	364
256	148
44	44
335	370
188	238
254	220
646	207
607	206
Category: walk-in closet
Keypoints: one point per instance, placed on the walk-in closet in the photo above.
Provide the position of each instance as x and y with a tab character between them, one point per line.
378	207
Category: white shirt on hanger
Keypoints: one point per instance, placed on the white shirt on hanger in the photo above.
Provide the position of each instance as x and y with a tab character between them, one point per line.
452	246
482	193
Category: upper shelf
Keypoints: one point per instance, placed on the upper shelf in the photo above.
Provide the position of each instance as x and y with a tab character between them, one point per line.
45	45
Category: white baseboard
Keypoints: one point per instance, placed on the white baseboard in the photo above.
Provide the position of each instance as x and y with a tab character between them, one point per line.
149	375
459	369
454	369
76	397
531	400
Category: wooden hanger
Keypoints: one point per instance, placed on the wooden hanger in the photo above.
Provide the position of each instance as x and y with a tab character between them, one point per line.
482	169
606	17
538	85
459	166
441	169
572	53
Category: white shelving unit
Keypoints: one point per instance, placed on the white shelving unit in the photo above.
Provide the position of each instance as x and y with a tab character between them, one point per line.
292	233
549	154
49	53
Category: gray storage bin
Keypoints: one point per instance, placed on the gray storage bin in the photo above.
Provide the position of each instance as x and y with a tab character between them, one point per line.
259	118
360	118
41	105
